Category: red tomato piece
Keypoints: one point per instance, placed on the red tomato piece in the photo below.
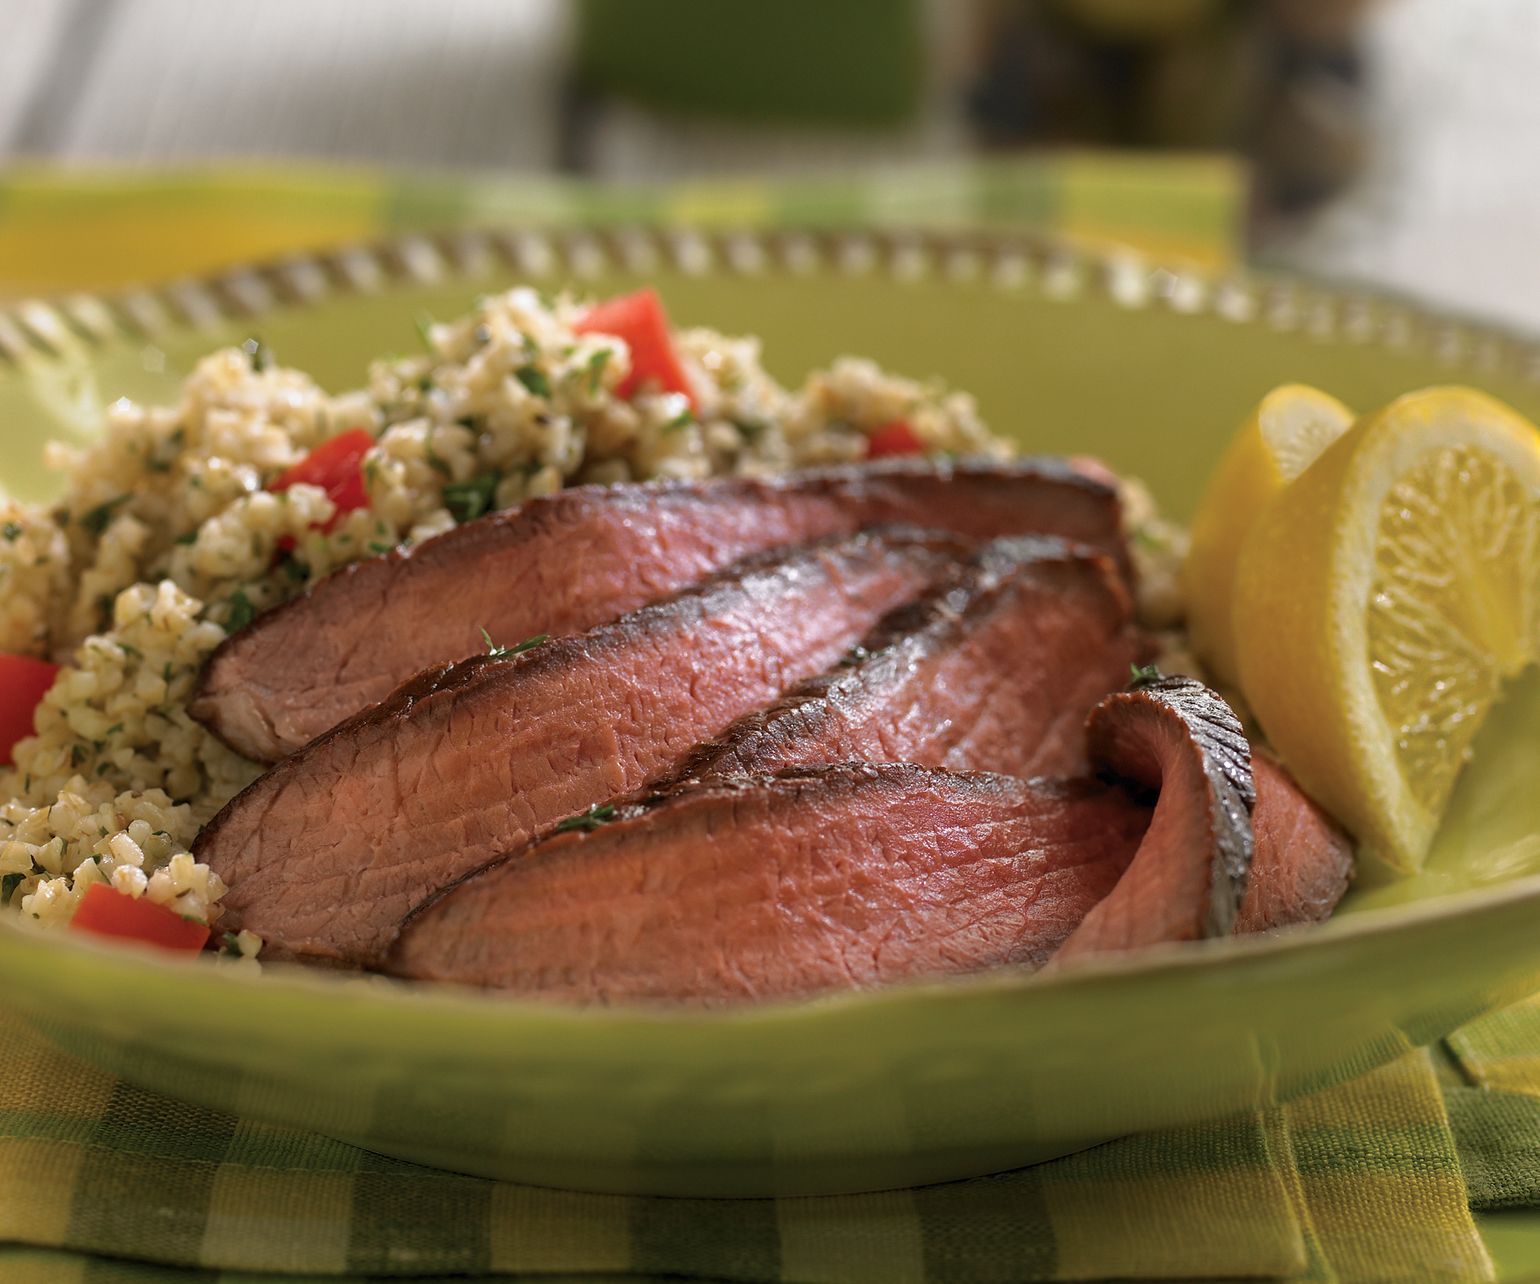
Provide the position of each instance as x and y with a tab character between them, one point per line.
24	681
896	438
336	466
105	911
639	319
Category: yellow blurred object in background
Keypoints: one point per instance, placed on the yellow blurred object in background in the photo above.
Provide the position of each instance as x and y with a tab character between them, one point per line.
68	229
100	230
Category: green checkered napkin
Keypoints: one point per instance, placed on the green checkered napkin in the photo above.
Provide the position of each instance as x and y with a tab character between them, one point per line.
1502	1051
74	229
1499	1118
103	1181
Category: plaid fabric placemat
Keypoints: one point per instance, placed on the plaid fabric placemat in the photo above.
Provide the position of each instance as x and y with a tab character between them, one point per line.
1499	1118
1498	1134
103	1181
64	230
1502	1051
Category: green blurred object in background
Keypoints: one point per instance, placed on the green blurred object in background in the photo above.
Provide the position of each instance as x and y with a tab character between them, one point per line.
854	63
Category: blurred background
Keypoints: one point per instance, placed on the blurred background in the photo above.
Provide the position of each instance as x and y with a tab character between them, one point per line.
1385	141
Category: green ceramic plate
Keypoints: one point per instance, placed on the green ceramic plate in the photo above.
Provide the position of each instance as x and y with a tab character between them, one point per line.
1147	367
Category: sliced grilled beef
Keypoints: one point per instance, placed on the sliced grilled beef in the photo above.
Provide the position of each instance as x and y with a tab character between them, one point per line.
993	670
585	556
838	877
1303	859
327	852
1174	736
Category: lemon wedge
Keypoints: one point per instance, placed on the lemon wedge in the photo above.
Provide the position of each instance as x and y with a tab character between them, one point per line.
1285	434
1381	601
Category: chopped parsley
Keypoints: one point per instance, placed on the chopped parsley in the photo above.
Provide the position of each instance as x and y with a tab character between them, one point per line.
750	428
297	571
469	499
98	518
113	729
500	652
589	820
378	546
8	886
11	531
242	612
435	461
258	353
230	945
533	378
596	364
683	419
1142	675
190	538
160	460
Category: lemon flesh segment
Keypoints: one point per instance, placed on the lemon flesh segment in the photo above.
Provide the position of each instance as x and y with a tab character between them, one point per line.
1453	615
1382	602
1283	436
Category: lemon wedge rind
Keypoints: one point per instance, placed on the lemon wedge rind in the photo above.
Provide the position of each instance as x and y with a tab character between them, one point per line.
1285	433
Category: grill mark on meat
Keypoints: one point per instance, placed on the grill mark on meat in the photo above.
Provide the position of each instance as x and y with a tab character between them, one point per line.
1303	860
326	853
988	671
567	562
1177	737
843	876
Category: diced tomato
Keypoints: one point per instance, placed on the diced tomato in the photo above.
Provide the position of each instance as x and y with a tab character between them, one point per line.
24	681
639	319
896	438
105	911
336	466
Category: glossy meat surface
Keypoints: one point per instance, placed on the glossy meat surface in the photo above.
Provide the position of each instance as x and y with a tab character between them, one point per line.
565	563
325	853
825	878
